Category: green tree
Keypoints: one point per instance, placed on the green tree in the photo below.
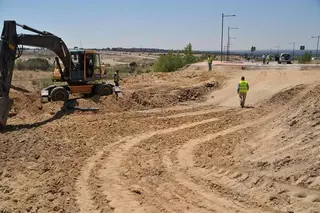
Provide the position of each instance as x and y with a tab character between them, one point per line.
188	52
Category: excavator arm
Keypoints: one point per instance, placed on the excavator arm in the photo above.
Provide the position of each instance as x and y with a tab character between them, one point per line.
8	50
50	42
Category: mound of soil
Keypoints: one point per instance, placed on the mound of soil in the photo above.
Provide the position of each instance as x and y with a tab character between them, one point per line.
286	95
307	111
151	98
26	103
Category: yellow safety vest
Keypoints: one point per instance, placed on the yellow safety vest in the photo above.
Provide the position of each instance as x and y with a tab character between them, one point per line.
243	86
210	60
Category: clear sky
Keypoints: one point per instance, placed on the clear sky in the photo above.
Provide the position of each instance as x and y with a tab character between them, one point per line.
170	23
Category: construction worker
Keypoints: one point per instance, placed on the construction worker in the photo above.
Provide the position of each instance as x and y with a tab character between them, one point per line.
210	59
268	59
242	90
116	78
263	58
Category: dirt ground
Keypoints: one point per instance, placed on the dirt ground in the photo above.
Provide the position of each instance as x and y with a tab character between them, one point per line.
176	142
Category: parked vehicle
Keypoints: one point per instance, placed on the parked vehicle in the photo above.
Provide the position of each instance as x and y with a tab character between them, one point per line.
285	57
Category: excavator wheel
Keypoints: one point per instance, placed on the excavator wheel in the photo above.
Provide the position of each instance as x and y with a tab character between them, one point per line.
59	94
102	89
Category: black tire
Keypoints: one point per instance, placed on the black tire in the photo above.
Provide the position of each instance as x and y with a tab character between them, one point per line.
59	94
102	90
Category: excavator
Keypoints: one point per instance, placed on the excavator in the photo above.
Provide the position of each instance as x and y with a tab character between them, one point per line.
80	69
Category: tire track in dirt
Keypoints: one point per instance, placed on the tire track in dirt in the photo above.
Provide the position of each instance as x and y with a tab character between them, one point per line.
250	182
185	153
84	198
118	196
152	190
194	113
213	200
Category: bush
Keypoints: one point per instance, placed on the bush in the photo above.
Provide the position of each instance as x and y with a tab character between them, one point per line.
306	58
171	62
33	64
133	65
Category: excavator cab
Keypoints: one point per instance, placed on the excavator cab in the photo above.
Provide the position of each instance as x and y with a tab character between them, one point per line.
86	67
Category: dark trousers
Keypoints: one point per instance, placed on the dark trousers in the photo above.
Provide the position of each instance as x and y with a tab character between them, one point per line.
116	83
242	97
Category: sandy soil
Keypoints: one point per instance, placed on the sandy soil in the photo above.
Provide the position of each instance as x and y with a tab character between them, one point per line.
172	144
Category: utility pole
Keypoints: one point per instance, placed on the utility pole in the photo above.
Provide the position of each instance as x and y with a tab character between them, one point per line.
222	17
294	44
228	43
318	36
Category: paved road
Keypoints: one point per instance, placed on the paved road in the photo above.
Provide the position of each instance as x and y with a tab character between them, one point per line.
258	64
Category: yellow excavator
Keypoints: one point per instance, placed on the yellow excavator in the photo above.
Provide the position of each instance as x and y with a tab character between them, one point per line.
80	68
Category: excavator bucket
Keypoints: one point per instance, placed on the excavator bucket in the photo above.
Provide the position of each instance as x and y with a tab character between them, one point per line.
5	106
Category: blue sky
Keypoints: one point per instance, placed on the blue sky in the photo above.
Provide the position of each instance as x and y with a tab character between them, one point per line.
170	23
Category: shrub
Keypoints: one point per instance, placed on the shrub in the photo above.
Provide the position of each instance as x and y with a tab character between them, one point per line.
173	61
169	62
306	58
33	64
133	65
19	64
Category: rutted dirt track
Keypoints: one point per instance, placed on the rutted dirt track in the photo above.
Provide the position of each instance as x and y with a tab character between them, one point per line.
200	154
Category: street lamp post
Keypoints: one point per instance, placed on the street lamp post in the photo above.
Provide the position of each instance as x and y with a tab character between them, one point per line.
222	17
228	47
228	43
294	44
318	36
